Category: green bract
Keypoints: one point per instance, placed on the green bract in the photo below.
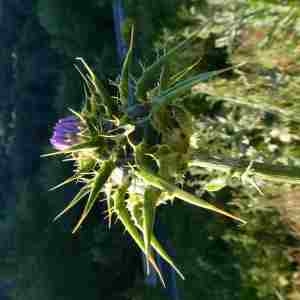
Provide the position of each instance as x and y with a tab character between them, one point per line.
136	175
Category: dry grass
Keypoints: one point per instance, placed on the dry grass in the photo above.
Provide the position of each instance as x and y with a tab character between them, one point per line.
289	207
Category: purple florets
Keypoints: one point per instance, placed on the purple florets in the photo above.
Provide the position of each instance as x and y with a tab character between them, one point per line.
65	133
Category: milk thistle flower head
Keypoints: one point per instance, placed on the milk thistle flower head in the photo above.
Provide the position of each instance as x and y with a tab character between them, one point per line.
134	176
66	133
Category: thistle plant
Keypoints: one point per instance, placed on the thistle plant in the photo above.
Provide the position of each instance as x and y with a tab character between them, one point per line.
116	161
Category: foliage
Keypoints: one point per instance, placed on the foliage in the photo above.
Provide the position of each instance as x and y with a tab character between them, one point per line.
147	173
266	274
210	251
98	152
256	120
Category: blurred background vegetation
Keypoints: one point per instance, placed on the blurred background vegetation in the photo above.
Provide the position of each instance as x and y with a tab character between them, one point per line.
253	113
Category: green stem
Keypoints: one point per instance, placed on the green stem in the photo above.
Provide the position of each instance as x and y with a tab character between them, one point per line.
262	106
270	172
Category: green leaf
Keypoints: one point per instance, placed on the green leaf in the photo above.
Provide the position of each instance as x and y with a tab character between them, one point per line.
124	80
173	191
85	146
151	197
149	77
81	194
125	218
68	180
159	249
175	78
98	182
96	88
182	87
155	243
216	184
109	203
164	78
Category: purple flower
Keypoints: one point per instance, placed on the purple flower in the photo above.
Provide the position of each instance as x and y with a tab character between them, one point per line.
65	133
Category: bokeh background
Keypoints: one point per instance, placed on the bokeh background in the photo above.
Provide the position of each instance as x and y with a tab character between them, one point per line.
252	114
